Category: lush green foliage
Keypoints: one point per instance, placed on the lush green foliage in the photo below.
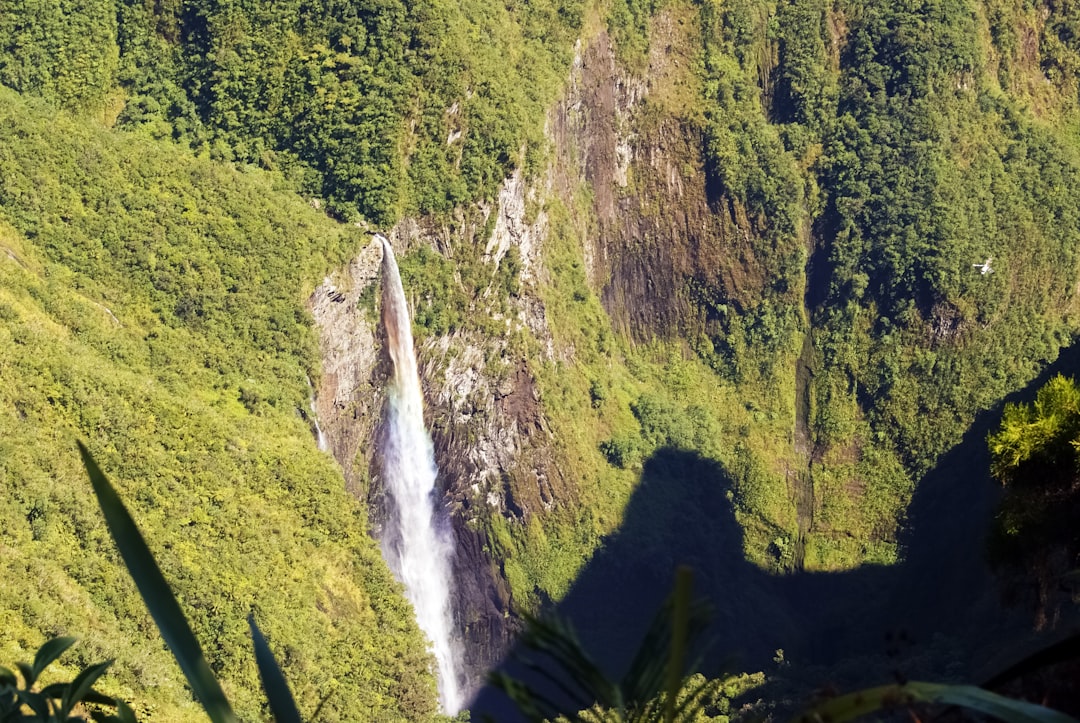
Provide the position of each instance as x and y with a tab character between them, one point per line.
870	153
66	52
158	597
151	303
879	154
928	170
57	702
879	162
657	687
1036	455
463	293
380	107
171	621
1046	430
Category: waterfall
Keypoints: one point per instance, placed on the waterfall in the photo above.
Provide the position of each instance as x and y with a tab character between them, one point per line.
417	541
320	436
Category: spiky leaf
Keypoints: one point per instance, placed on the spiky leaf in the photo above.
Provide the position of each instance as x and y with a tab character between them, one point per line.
157	595
282	704
855	705
46	654
78	689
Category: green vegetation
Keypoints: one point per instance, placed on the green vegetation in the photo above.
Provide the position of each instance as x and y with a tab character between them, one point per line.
568	687
927	170
874	155
657	686
157	248
463	293
381	108
615	404
151	303
875	138
1044	432
66	52
160	600
57	702
384	108
628	23
1035	453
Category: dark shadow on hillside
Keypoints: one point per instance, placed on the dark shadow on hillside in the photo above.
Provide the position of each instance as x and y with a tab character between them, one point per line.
937	615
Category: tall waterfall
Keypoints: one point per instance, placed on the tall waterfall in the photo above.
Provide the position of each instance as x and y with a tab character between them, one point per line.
416	542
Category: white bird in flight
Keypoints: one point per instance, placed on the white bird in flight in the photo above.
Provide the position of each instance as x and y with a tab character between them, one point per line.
984	267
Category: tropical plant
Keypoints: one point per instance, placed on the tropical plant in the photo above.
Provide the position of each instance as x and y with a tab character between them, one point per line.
1046	430
56	702
1035	454
572	689
905	695
654	689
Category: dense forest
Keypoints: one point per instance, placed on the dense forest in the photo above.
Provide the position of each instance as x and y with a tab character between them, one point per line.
791	249
150	309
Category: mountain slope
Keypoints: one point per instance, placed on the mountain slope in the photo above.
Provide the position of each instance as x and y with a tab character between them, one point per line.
794	247
152	307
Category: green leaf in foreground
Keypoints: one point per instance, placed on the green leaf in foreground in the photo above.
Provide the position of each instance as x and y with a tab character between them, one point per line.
680	623
282	704
7	678
655	689
47	653
27	672
78	689
855	705
158	596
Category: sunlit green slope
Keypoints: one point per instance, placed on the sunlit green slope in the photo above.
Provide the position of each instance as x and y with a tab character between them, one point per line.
836	333
151	305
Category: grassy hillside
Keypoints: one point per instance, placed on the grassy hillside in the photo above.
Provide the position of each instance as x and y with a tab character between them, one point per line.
929	168
151	305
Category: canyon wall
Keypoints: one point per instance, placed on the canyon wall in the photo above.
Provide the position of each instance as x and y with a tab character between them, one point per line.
626	164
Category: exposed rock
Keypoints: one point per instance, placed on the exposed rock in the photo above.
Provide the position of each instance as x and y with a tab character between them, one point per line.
490	440
489	430
651	225
482	409
348	398
946	323
661	238
512	227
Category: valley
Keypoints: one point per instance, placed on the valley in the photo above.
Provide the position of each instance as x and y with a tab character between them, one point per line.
689	283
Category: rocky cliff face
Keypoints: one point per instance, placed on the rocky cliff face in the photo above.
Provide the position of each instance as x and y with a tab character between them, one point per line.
662	233
482	410
349	395
640	197
627	163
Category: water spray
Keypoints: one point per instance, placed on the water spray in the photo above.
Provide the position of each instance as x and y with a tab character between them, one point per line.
417	542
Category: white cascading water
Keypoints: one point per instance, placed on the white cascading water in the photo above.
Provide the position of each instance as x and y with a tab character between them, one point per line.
320	436
416	542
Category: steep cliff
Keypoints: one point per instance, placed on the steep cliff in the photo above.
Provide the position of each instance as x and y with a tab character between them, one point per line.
612	245
490	436
707	261
151	306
